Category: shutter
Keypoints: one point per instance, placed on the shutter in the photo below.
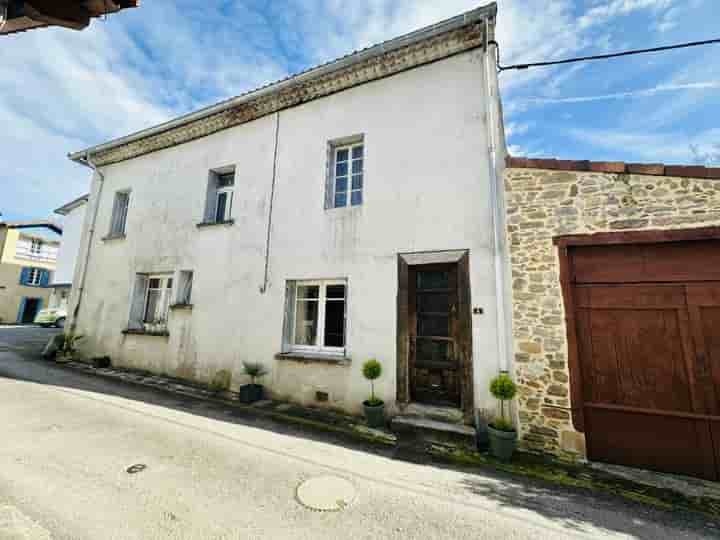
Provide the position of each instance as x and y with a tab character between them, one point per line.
21	310
289	315
44	278
137	302
24	276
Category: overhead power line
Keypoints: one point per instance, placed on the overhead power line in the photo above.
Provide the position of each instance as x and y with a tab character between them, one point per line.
501	68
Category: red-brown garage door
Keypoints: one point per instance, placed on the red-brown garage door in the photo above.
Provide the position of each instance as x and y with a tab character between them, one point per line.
647	344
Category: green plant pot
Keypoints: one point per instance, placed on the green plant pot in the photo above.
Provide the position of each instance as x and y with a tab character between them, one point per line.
375	414
502	443
250	393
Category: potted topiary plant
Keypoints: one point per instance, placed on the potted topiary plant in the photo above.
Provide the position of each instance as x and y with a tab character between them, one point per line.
250	393
374	407
503	437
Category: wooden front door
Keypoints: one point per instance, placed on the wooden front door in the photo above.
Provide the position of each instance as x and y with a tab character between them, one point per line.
647	327
435	370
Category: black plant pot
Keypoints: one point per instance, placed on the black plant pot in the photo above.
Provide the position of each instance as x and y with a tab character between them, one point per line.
250	393
375	414
482	437
502	443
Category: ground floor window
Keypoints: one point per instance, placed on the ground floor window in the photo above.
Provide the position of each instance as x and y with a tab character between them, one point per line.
157	299
316	316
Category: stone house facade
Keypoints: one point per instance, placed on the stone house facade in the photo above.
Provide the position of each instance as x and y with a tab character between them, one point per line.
576	232
346	213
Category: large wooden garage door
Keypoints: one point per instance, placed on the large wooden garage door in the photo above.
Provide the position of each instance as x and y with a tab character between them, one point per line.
647	337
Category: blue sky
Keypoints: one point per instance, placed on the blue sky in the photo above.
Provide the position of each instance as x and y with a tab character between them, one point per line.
62	91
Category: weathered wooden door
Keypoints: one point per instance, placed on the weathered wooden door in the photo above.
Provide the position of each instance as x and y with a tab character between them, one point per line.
435	367
647	321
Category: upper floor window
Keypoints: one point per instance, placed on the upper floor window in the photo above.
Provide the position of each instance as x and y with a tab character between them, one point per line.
35	277
36	246
348	175
219	203
119	213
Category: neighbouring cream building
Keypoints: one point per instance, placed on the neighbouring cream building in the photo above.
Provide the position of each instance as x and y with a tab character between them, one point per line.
353	211
27	262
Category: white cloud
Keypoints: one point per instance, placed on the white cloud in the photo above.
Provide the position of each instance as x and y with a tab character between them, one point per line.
668	147
660	88
600	14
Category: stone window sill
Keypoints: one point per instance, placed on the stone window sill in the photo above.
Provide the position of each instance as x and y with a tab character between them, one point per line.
204	224
113	237
138	332
182	306
315	358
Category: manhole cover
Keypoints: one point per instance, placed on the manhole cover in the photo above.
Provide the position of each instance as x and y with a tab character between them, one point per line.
326	493
133	469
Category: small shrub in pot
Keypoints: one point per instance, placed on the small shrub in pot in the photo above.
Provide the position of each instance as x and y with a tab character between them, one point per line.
374	408
503	436
250	393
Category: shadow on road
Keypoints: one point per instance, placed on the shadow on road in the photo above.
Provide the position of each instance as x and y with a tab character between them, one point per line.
578	510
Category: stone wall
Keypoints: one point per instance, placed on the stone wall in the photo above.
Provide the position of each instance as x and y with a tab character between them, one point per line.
545	201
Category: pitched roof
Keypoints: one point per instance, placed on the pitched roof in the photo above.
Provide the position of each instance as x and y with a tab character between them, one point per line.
457	34
34	224
72	205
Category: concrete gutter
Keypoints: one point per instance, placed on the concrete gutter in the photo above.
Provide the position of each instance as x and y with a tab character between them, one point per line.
479	14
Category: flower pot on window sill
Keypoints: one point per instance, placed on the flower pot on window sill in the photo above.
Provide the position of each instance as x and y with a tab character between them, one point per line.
374	414
502	443
250	393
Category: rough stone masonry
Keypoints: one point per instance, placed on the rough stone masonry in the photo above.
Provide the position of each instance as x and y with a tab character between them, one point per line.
550	198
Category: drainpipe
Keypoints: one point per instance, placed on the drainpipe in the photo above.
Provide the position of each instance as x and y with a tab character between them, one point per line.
91	232
264	286
498	217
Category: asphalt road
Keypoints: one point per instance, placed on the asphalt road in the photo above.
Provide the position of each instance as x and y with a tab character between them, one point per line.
68	439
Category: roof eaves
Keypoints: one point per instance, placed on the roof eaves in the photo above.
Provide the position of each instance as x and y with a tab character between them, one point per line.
488	12
68	207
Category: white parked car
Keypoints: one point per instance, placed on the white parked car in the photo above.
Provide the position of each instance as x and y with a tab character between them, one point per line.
51	317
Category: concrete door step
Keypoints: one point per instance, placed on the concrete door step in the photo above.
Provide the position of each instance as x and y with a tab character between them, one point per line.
420	433
447	415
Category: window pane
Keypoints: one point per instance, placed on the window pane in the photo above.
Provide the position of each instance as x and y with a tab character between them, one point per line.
437	351
433	302
357	181
341	184
226	180
221	204
433	279
357	152
308	291
335	322
154	283
306	322
342	155
357	166
341	169
153	299
356	198
340	200
335	291
169	283
433	325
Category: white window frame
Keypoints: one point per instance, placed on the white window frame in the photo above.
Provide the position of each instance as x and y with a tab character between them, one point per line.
333	173
318	348
165	296
35	276
230	190
35	246
184	281
119	216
